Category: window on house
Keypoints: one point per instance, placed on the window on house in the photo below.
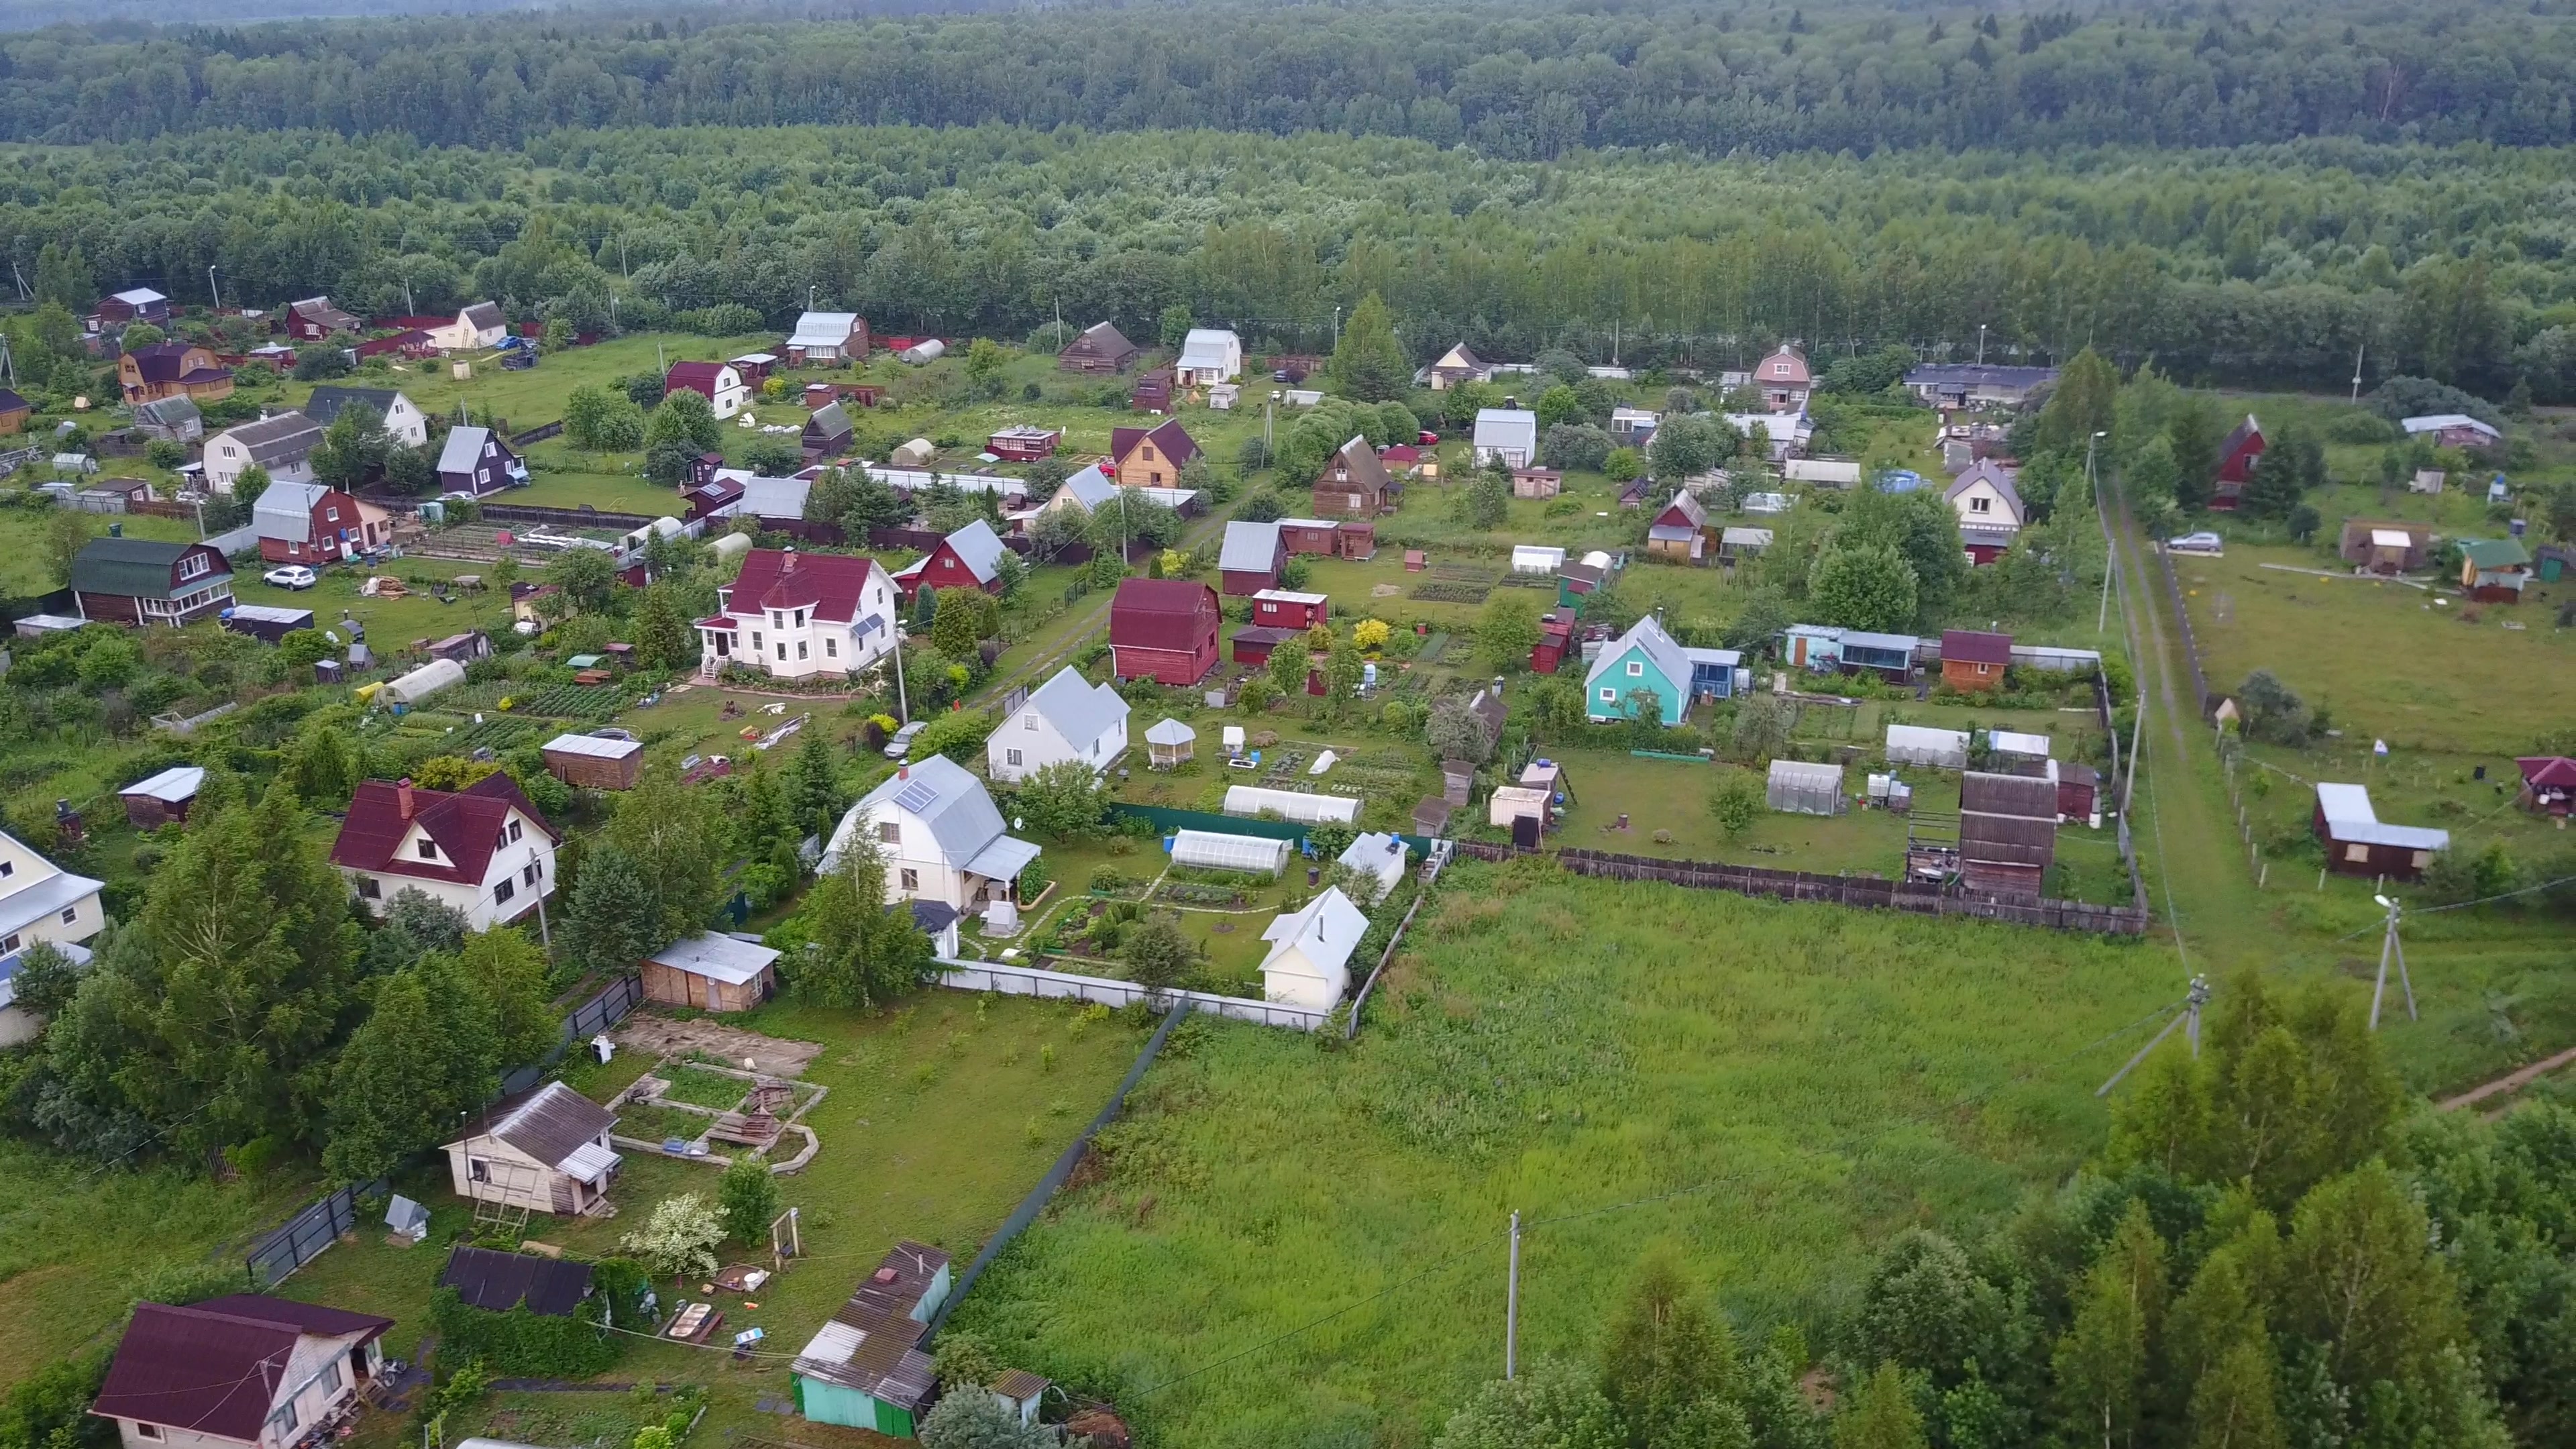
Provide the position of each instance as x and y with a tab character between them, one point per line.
1012	757
831	648
514	831
329	1378
1029	721
501	893
369	889
911	880
477	1170
71	915
800	618
2356	853
429	850
800	648
284	1419
1978	505
782	649
148	1431
331	514
193	565
8	868
1779	369
1609	695
8	944
1636	669
890	834
528	876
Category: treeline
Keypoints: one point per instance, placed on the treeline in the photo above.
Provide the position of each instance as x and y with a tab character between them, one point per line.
2276	264
2273	1251
1516	79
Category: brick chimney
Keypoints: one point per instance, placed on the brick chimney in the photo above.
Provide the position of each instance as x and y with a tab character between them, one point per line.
402	798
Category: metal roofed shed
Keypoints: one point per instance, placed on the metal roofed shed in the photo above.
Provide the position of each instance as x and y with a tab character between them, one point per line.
2014	742
713	972
161	799
265	622
1249	854
1921	745
594	762
1292	805
1378	855
2007	831
1797	787
2359	843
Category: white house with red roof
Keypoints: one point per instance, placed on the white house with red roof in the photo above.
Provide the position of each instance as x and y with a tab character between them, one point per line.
969	558
242	1370
720	383
483	850
794	615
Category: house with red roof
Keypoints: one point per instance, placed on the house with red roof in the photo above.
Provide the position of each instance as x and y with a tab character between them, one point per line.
243	1369
1163	630
1150	457
483	850
2236	464
720	383
795	615
314	319
1783	380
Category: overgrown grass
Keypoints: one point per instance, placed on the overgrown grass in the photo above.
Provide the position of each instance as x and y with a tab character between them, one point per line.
1814	1078
700	1087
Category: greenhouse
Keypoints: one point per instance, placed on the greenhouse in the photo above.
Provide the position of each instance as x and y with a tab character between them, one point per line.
1293	805
1210	850
1918	745
1800	788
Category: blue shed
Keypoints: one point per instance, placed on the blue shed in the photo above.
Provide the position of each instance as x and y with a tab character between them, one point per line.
865	1369
1713	672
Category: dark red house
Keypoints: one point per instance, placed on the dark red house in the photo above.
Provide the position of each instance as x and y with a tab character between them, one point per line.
1288	609
1163	630
1024	443
314	319
1251	558
1555	638
969	558
2236	464
137	304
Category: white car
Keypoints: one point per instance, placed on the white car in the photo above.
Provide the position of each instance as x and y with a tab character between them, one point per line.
901	744
2201	542
288	576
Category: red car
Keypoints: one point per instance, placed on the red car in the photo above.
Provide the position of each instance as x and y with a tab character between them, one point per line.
1426	437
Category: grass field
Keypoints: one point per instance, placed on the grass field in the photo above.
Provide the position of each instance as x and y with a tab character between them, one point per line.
940	1116
1558	1046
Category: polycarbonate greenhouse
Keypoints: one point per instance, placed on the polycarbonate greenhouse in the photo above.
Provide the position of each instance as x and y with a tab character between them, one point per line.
1209	850
1296	805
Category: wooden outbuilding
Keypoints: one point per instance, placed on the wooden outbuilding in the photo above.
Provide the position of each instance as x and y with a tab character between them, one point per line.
545	1150
2007	831
2358	843
594	762
1972	659
711	972
162	799
1164	630
1102	351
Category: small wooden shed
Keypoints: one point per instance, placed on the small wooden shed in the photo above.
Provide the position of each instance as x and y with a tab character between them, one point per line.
594	762
713	972
163	798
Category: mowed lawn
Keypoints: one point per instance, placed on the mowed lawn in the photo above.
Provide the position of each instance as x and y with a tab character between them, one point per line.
2383	658
1803	1080
941	1115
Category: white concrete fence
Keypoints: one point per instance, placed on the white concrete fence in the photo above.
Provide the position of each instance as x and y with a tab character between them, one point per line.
1012	980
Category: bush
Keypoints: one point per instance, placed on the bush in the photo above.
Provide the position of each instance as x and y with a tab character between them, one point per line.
729	319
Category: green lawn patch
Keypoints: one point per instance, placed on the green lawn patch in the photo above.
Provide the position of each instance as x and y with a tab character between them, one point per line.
703	1088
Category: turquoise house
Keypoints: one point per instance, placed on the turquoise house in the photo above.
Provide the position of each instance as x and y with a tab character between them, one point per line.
865	1369
1644	658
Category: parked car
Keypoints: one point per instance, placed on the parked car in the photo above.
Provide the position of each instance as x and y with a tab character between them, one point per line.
288	576
1426	438
2202	542
901	745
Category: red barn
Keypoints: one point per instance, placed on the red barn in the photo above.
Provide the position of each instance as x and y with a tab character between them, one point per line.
2236	463
1163	630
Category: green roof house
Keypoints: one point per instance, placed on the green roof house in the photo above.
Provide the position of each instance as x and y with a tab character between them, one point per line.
2494	570
138	581
865	1369
1645	658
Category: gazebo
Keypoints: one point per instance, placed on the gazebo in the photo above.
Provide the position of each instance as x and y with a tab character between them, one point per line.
1169	743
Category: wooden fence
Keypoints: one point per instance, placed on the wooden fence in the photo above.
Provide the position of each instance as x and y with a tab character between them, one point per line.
537	434
1864	892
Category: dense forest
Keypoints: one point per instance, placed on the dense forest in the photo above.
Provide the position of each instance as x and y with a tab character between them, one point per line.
1514	78
2261	264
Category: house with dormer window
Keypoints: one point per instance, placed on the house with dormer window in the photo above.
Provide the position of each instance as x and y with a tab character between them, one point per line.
483	850
794	615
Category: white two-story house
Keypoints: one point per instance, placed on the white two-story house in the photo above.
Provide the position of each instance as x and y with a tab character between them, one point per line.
941	837
483	850
796	615
1066	718
39	901
244	1371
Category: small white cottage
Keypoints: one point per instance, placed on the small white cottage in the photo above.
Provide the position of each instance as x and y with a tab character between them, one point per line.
1309	964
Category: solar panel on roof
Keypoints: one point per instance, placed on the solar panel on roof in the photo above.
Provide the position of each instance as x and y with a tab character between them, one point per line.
917	797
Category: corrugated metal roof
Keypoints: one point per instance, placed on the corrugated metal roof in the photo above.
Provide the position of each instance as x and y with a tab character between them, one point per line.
593	747
950	803
1080	711
1249	548
179	782
497	1282
1325	932
549	1122
719	957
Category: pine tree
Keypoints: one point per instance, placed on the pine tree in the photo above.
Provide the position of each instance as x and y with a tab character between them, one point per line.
663	639
428	1053
814	787
614	922
1881	1415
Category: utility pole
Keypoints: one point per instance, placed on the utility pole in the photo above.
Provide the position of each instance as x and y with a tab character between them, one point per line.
1059	324
214	290
621	257
2093	485
409	307
2391	950
1337	329
1981	344
2356	370
21	277
902	696
1512	1304
2193	1000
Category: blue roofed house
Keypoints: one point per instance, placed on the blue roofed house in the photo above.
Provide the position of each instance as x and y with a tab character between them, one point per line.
1645	658
941	837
